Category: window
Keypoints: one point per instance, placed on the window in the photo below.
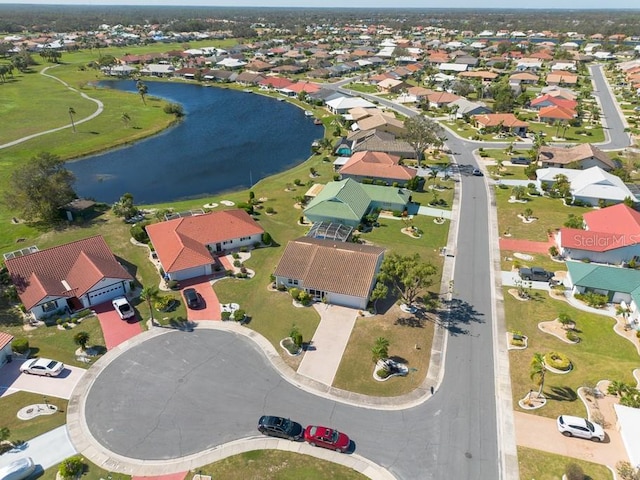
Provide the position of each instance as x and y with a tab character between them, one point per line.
50	306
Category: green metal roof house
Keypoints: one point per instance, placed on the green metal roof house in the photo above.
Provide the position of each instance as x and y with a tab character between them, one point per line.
348	201
617	283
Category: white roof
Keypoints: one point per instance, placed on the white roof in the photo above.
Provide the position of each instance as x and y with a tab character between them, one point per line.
629	423
453	67
386	52
231	62
342	103
158	68
590	183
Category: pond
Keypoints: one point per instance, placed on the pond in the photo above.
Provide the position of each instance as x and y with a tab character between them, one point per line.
228	140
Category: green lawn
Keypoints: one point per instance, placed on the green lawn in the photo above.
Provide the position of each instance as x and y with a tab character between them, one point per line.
601	353
508	260
551	214
22	430
539	465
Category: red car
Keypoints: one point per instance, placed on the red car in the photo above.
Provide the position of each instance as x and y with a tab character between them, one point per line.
327	438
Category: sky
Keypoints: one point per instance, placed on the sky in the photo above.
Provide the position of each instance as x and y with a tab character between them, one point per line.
475	4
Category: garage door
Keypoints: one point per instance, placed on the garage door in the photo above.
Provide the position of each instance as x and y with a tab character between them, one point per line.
107	293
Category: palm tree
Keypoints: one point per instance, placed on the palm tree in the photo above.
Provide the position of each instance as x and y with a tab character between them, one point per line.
72	112
433	174
125	119
538	370
81	338
518	192
148	294
380	349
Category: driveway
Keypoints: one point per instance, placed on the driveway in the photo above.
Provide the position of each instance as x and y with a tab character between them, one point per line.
321	361
12	380
114	329
209	305
541	433
46	450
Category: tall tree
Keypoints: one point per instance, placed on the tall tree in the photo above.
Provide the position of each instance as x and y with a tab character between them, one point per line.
538	371
421	132
408	275
142	90
148	294
40	187
72	112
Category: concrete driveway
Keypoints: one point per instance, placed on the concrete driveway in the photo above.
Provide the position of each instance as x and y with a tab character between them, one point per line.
46	450
11	380
321	361
542	433
209	305
114	329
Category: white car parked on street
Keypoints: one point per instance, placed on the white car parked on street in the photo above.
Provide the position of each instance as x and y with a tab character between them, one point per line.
123	307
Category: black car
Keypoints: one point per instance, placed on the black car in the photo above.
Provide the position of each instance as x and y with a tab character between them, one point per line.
280	427
191	297
520	161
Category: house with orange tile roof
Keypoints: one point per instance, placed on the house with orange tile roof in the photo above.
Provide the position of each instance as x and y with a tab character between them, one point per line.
555	113
524	78
562	78
68	277
610	235
187	246
549	100
506	122
5	348
338	273
442	99
377	166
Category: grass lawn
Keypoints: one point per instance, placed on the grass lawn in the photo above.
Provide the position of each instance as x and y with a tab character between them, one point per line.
551	214
356	369
362	87
254	465
508	261
601	353
22	430
50	342
539	465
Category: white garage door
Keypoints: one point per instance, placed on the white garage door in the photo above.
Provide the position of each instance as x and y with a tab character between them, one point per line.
107	293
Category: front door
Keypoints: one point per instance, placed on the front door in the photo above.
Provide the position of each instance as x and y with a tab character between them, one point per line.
218	247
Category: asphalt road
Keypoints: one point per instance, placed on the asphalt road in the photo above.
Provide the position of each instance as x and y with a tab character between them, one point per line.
611	114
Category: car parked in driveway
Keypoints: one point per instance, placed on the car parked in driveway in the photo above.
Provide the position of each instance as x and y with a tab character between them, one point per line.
571	426
123	307
191	297
536	274
42	366
325	437
18	469
280	427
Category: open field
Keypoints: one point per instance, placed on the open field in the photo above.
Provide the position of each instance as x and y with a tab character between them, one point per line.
538	465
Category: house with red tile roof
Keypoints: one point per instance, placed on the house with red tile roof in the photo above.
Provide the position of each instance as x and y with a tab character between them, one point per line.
187	246
275	83
554	113
68	277
339	273
5	348
505	121
377	166
548	100
611	235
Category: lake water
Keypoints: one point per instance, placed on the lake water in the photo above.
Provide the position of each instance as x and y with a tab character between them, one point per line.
227	140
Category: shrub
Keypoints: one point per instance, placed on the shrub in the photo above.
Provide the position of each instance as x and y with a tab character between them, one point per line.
294	292
336	177
139	232
297	182
172	284
553	251
270	210
247	207
239	315
382	373
572	336
235	255
59	321
163	302
592	299
20	345
225	315
304	298
574	472
71	467
557	360
266	238
237	263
